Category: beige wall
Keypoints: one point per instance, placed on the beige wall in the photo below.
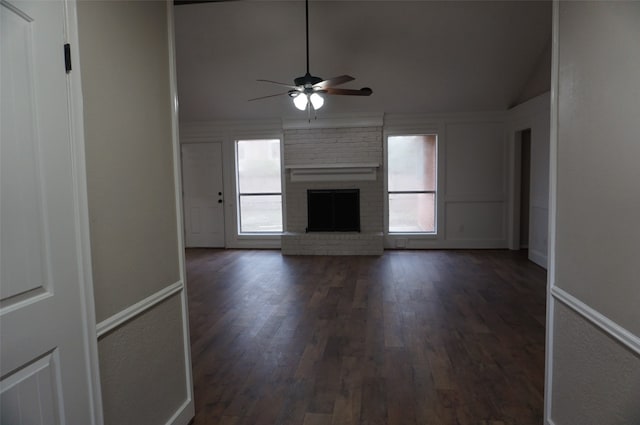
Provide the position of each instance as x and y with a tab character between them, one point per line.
127	113
126	83
598	152
595	340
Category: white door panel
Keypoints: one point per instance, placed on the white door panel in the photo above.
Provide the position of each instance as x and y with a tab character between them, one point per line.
203	194
44	367
28	396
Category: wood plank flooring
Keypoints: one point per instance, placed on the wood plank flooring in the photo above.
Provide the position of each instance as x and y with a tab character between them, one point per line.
411	337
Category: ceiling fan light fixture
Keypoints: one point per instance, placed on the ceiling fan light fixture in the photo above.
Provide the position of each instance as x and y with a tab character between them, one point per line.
301	101
316	101
306	90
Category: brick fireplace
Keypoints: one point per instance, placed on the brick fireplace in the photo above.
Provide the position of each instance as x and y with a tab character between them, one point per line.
333	158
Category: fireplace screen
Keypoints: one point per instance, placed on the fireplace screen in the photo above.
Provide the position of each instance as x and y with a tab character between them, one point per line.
333	210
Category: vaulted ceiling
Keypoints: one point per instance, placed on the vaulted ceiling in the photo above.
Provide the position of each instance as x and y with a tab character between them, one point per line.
417	56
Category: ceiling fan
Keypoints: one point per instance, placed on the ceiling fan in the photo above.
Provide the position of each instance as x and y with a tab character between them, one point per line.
306	90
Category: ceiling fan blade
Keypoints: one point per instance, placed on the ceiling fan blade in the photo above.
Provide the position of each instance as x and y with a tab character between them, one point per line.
366	91
280	84
335	81
265	97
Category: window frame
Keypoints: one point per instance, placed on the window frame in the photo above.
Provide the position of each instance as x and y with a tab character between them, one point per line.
435	192
239	194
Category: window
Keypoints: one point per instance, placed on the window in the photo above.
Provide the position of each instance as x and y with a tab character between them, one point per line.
259	186
411	185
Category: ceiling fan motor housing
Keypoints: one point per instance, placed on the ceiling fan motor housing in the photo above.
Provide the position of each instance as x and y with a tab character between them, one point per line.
307	80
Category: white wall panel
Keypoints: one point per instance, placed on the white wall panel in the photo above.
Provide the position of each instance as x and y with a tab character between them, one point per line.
475	159
475	221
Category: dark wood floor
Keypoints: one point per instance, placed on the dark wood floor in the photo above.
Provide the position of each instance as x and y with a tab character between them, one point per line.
411	337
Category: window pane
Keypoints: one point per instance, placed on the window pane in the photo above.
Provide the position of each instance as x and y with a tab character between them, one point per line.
412	162
261	213
259	166
412	212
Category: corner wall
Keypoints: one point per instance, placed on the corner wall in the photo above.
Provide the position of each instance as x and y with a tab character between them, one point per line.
593	340
126	64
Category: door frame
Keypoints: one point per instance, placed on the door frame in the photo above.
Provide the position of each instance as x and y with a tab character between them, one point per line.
79	177
532	115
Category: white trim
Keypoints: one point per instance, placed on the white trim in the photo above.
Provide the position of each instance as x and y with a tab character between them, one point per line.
475	198
538	257
553	186
608	326
334	121
183	415
187	411
138	308
333	172
83	239
15	10
432	241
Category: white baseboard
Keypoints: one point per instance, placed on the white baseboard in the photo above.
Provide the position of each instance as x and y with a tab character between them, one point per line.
538	258
184	414
434	243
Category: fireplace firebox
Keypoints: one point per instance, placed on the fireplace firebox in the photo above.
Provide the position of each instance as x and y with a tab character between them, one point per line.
333	210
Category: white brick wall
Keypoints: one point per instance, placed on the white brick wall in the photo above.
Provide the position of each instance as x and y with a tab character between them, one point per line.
331	146
332	244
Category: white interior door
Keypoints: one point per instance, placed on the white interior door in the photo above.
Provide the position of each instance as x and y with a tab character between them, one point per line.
203	195
44	368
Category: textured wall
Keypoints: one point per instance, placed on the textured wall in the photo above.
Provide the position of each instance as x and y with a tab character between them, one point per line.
142	369
596	380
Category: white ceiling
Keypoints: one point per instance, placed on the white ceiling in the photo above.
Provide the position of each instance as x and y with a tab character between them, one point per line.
417	56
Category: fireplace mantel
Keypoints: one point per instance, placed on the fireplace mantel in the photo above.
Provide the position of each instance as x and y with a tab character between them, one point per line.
333	172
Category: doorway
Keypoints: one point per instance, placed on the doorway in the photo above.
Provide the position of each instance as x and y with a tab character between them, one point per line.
521	190
525	187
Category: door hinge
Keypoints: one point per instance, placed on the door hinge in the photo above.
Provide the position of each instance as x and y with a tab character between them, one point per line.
67	57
